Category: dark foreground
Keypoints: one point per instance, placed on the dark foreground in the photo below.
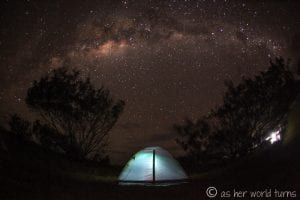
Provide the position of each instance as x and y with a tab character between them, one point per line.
37	176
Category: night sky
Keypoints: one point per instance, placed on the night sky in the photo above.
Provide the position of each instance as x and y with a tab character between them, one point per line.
166	59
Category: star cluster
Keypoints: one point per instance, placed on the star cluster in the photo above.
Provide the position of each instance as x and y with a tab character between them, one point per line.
166	59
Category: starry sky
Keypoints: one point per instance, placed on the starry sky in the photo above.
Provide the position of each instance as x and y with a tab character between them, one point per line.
167	59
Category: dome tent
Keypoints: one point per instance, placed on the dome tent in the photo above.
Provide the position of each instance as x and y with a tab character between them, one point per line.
152	165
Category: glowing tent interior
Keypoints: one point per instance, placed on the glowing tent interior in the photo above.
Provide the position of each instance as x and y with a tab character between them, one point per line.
152	165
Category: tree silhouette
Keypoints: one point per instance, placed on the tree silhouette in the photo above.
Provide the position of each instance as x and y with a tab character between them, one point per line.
74	116
250	111
20	128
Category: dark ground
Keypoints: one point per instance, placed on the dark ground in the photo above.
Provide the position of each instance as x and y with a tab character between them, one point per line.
37	174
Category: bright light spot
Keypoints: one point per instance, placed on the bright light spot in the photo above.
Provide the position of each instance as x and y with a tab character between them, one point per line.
273	137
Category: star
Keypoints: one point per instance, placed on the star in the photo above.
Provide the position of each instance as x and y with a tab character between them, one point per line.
167	59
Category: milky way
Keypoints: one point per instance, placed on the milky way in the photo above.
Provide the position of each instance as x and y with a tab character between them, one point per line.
168	60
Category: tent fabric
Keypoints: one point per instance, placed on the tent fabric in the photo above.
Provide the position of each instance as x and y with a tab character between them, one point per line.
146	167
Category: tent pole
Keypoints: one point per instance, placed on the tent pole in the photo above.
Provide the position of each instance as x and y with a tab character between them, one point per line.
153	167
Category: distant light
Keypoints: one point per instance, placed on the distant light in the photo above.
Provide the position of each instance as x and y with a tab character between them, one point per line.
273	137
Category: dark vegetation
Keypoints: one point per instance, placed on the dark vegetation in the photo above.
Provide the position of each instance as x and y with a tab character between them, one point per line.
249	113
74	117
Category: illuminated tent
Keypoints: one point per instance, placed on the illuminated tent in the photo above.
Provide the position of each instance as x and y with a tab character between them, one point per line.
152	165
